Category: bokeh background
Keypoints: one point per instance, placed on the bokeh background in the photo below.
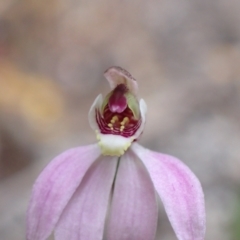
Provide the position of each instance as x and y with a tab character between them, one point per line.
186	58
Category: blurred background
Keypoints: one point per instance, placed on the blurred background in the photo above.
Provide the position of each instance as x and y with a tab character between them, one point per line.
186	58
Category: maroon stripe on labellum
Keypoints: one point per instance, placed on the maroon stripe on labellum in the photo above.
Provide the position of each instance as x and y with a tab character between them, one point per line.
123	124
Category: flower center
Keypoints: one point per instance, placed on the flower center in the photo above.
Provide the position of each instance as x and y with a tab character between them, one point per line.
120	113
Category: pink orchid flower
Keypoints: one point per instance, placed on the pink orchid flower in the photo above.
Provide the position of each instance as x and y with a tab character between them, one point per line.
109	190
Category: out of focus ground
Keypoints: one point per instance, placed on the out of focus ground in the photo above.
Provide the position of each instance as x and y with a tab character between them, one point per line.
185	56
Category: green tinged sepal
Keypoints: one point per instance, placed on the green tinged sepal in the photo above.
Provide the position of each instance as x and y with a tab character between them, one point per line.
133	104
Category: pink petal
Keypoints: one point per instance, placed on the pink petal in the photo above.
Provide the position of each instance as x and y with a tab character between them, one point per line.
54	187
85	214
118	75
180	191
133	214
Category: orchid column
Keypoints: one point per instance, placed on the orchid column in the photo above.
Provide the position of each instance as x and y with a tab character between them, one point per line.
108	190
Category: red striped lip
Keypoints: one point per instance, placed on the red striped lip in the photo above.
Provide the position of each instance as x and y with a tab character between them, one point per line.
123	124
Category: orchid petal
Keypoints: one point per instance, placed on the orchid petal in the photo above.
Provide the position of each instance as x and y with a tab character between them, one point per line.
54	187
179	190
143	111
85	214
117	75
133	213
92	112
